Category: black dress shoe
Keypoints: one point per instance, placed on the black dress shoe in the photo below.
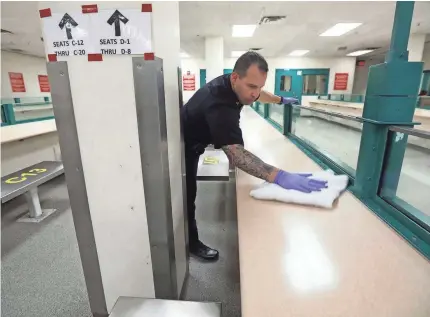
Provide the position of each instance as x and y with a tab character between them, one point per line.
203	252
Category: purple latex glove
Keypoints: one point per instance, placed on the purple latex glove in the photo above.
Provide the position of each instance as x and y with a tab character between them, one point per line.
299	182
289	101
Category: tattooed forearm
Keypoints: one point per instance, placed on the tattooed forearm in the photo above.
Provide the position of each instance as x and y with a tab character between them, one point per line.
267	97
249	163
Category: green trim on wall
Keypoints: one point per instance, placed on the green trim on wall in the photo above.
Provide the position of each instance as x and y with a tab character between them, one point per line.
202	77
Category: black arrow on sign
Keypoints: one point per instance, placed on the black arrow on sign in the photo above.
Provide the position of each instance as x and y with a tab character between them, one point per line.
68	22
116	18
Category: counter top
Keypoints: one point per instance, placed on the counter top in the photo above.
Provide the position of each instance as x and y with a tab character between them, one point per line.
304	261
26	130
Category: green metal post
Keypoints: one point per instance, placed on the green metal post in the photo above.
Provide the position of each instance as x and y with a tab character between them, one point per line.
401	29
9	114
391	96
288	117
266	111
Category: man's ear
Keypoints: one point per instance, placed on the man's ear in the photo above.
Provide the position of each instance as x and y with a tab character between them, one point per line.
234	76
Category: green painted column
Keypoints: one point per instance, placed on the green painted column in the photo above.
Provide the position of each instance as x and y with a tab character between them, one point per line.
266	111
288	117
258	106
9	114
391	95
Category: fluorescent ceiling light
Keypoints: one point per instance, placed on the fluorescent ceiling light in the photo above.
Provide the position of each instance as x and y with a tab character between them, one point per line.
184	55
237	53
299	52
243	30
358	53
340	29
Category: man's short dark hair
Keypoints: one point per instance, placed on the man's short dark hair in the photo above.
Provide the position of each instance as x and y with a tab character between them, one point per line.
248	59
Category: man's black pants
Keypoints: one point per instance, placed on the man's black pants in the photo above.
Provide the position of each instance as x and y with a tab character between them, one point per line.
191	164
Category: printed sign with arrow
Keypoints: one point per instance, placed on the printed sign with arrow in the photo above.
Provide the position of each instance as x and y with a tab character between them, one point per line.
116	18
68	22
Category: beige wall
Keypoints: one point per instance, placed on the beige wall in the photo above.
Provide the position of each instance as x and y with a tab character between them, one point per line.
336	65
361	74
29	66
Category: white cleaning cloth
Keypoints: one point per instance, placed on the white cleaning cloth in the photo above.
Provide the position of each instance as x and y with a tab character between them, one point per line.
336	184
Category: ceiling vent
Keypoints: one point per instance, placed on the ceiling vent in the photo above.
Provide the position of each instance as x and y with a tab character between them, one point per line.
342	48
255	48
272	19
6	31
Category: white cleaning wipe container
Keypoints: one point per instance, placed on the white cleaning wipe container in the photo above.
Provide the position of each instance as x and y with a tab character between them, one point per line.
336	184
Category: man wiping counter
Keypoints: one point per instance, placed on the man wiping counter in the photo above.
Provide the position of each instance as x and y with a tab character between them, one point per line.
212	116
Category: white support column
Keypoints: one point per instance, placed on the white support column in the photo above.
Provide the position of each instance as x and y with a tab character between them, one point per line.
214	55
112	225
416	47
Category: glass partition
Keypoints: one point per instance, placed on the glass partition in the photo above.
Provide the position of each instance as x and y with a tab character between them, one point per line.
343	97
27	112
276	113
23	113
260	108
32	100
337	137
400	192
406	180
336	97
7	100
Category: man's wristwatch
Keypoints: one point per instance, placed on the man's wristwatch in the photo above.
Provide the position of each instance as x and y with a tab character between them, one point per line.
281	101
